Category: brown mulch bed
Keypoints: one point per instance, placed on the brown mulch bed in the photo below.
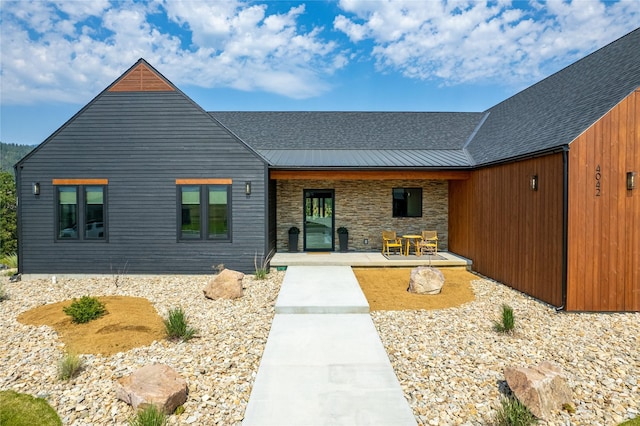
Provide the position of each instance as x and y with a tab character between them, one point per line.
386	289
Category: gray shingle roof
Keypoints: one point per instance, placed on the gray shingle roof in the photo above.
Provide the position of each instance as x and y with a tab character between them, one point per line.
555	111
545	116
365	139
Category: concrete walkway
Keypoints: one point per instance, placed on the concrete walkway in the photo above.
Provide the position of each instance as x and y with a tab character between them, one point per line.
324	363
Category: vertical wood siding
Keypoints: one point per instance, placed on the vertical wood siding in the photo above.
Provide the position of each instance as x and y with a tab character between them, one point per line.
141	142
512	234
604	217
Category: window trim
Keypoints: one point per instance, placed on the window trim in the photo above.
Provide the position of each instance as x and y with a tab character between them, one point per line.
80	186
203	185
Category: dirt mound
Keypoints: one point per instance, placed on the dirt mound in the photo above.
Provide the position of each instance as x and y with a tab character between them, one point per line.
386	289
130	322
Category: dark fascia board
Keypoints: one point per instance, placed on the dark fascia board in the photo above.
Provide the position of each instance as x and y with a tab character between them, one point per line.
371	169
527	156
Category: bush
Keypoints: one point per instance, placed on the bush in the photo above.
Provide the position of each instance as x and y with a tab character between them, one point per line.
177	327
262	267
507	322
84	310
149	416
68	366
10	260
18	409
513	413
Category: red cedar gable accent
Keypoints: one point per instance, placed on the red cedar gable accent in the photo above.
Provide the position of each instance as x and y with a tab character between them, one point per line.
141	79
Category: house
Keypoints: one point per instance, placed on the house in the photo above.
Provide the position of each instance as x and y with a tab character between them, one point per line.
541	191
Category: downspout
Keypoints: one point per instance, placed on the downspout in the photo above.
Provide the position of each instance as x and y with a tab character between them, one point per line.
565	225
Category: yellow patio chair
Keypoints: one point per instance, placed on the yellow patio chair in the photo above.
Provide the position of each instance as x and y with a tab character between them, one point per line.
391	241
428	243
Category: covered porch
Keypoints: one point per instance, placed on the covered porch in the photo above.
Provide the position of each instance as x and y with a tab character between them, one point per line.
368	259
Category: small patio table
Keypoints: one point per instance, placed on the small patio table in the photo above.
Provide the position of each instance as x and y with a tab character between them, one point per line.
415	239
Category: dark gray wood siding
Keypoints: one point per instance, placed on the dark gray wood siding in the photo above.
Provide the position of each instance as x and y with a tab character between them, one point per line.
141	142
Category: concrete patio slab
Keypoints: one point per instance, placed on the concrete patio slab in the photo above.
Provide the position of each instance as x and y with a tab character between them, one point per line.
367	259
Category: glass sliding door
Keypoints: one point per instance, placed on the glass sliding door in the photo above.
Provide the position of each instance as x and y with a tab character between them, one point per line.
318	220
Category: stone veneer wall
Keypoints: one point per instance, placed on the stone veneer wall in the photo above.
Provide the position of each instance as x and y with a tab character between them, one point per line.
364	207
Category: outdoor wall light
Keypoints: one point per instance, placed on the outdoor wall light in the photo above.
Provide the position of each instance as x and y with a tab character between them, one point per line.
534	183
631	180
35	187
247	187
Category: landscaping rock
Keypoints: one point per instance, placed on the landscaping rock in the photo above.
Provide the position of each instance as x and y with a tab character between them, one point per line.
542	388
226	285
156	384
425	280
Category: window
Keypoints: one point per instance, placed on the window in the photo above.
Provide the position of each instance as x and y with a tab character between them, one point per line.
407	202
86	223
204	212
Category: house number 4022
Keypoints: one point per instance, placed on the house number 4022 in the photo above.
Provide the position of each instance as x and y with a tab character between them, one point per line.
598	176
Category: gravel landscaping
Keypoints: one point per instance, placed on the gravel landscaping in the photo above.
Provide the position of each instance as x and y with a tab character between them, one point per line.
449	361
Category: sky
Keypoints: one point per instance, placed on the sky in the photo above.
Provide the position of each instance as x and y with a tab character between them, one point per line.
347	55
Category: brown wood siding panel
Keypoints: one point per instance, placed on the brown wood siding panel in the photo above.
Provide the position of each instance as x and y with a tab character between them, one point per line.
141	79
604	243
511	233
632	289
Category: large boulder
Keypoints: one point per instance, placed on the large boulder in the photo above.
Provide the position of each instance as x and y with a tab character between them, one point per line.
226	285
426	280
542	388
156	384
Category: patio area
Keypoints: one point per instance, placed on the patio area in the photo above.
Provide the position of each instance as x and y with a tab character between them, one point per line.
365	259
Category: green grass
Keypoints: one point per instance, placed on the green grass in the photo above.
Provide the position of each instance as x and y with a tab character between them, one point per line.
18	409
177	327
68	366
84	310
507	320
149	416
513	413
632	422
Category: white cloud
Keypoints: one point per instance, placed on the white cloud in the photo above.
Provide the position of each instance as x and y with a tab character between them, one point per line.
70	50
55	52
471	41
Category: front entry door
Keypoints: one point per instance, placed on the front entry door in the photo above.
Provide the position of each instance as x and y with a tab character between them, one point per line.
318	220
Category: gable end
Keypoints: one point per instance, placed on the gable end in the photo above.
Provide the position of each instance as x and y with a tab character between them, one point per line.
141	78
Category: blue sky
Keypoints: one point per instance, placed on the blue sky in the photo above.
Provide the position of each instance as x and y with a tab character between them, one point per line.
348	55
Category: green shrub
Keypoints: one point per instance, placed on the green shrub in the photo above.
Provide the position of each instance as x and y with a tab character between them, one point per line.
513	413
507	321
149	416
632	422
262	267
10	260
18	409
177	327
68	366
84	310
